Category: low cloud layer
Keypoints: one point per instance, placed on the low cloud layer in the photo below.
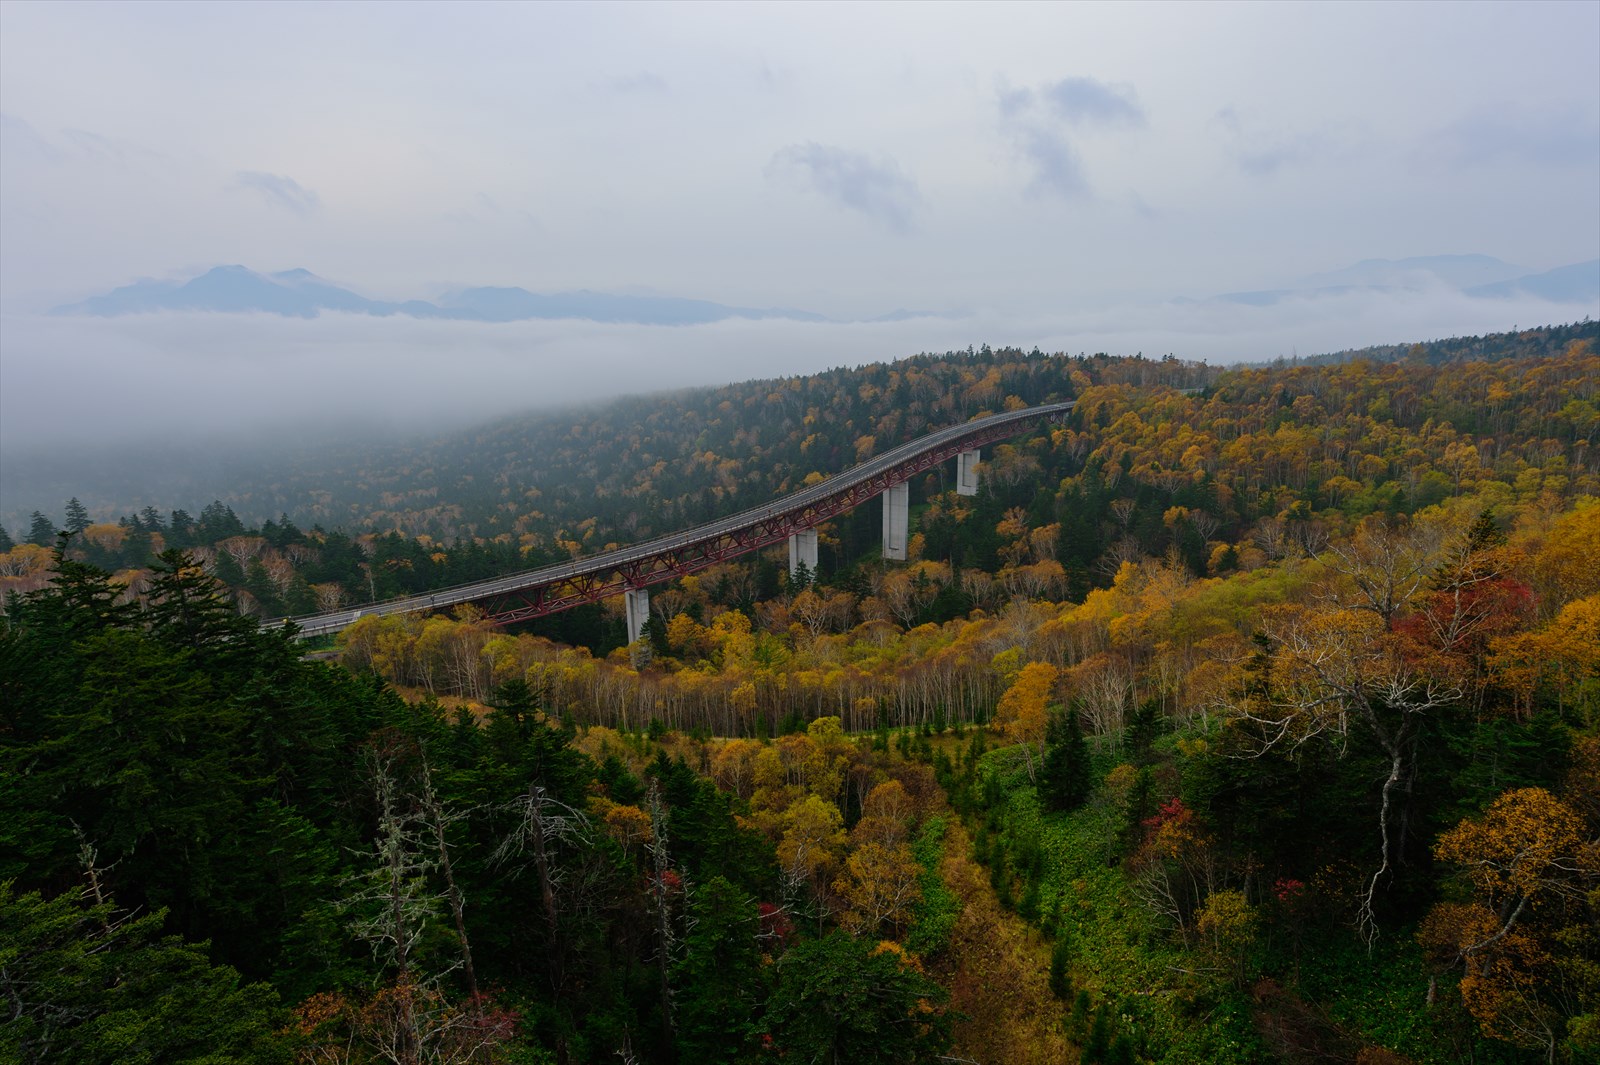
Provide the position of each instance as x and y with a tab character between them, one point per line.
77	387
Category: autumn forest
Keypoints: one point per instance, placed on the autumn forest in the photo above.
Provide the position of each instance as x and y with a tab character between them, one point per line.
1250	714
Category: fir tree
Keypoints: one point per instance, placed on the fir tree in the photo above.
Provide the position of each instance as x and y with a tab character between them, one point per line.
77	516
259	583
1146	725
180	530
718	976
841	999
135	544
1098	1044
1060	978
227	570
1065	778
218	522
299	599
42	531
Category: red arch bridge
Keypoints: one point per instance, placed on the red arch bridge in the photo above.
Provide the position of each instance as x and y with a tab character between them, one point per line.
629	571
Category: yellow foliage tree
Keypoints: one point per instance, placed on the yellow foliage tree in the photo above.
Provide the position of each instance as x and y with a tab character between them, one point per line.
1527	860
879	887
1559	657
885	816
629	826
734	767
813	839
1227	921
1566	566
1527	842
1023	710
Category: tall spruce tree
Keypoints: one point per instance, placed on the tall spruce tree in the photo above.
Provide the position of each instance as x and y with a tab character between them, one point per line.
77	516
180	530
1065	778
218	522
719	976
42	530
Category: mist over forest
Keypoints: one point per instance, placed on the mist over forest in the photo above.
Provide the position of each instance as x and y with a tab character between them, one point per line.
78	413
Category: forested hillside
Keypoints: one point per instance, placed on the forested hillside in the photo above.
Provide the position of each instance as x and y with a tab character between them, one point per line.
1267	700
386	521
214	851
1529	343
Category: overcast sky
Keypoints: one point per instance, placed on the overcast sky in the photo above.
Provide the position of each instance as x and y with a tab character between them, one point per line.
1056	172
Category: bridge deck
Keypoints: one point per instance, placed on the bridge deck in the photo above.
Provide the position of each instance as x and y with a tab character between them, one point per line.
553	588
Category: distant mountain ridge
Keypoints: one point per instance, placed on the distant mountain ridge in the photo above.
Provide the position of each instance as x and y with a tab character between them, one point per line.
1475	276
299	293
1564	284
1458	271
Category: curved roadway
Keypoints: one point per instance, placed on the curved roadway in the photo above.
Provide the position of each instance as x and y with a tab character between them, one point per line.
609	561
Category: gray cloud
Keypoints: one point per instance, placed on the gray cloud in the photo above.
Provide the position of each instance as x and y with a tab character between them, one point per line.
1057	170
71	144
17	135
1260	154
94	144
878	190
228	381
1037	120
280	191
1087	101
1560	138
643	83
1015	103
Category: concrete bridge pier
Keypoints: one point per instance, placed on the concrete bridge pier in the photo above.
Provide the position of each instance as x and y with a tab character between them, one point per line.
803	550
896	520
637	601
967	473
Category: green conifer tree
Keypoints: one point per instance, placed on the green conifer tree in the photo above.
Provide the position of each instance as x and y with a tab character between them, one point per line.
84	983
718	977
259	583
299	599
1065	777
77	516
227	571
42	531
839	999
1060	957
